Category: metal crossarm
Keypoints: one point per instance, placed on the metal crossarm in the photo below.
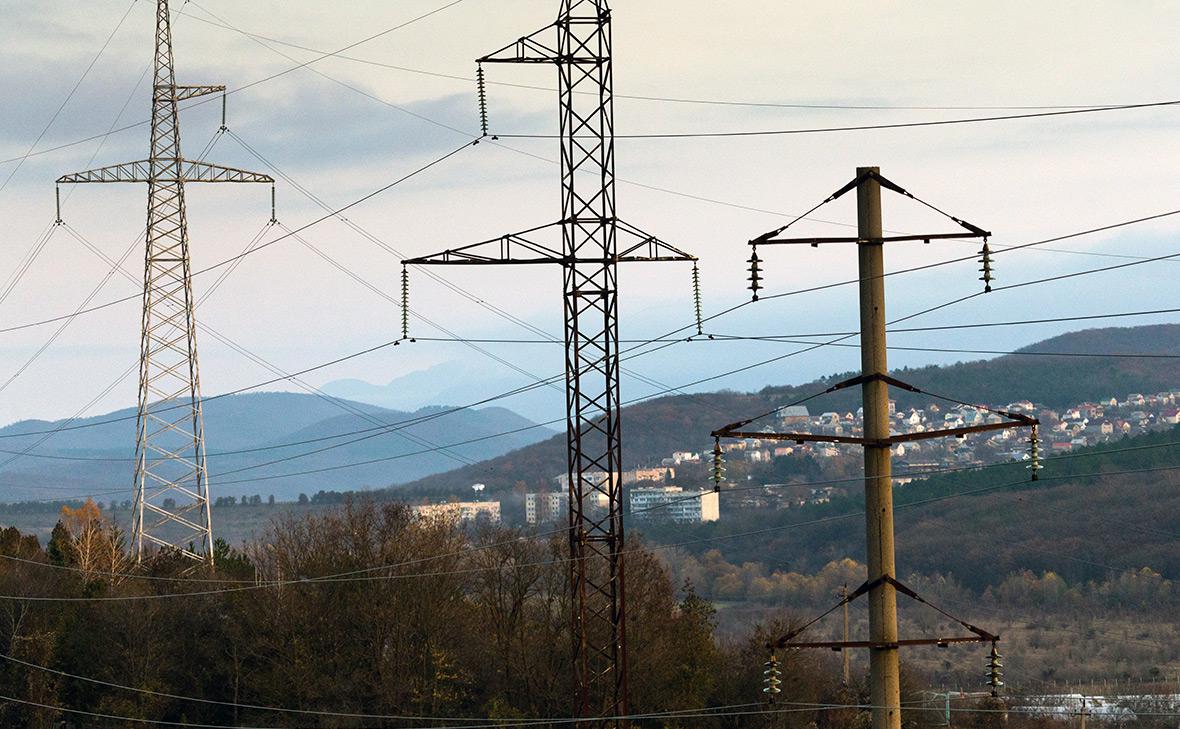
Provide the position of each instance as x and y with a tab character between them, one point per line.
181	93
969	230
978	635
516	248
148	171
171	482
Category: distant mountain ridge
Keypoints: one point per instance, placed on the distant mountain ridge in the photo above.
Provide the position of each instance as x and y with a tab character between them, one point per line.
1040	372
246	432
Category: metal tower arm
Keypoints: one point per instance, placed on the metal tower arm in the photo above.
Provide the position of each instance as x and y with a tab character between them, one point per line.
545	46
141	171
532	48
519	248
180	93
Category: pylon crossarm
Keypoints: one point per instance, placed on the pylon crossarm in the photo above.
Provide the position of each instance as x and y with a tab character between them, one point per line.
511	248
516	248
181	93
925	237
141	171
905	590
138	171
1014	420
838	645
873	442
771	237
979	635
532	48
206	172
649	247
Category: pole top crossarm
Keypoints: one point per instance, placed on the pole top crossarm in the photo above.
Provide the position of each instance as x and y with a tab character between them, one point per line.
978	635
870	173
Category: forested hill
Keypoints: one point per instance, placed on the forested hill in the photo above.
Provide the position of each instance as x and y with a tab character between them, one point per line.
1094	513
1054	373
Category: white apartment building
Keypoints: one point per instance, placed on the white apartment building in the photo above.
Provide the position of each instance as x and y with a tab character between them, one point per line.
463	512
674	503
547	507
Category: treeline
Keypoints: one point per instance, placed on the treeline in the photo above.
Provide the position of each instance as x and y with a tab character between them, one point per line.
1141	592
362	610
367	616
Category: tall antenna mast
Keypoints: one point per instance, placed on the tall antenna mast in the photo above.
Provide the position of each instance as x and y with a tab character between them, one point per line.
171	481
578	44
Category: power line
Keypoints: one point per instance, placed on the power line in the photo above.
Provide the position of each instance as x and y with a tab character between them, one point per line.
351	576
20	161
707	711
637	97
865	127
811	347
715	337
240	88
267	244
381	430
337	577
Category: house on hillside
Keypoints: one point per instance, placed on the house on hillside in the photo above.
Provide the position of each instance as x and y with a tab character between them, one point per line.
794	415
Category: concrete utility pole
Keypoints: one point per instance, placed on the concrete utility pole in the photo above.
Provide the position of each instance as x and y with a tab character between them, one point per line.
883	661
882	585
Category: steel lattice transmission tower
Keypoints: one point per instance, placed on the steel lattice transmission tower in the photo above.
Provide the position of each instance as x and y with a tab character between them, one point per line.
578	44
171	481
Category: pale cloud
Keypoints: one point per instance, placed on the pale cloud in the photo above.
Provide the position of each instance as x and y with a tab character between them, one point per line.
1023	179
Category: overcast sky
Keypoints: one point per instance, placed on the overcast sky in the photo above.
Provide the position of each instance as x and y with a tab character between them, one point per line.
341	128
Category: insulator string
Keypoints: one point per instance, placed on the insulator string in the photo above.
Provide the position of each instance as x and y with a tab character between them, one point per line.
1034	452
482	92
771	679
405	303
995	671
985	258
696	297
755	274
718	465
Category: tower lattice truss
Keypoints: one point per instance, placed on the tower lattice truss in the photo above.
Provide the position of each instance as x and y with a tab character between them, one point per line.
171	481
593	241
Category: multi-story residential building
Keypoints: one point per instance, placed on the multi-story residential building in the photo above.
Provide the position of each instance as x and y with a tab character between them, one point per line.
675	504
464	512
648	474
546	507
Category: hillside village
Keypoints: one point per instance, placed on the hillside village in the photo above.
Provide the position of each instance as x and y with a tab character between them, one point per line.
677	488
1061	430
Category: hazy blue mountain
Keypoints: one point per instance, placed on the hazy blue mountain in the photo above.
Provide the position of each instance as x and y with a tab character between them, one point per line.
245	433
457	383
